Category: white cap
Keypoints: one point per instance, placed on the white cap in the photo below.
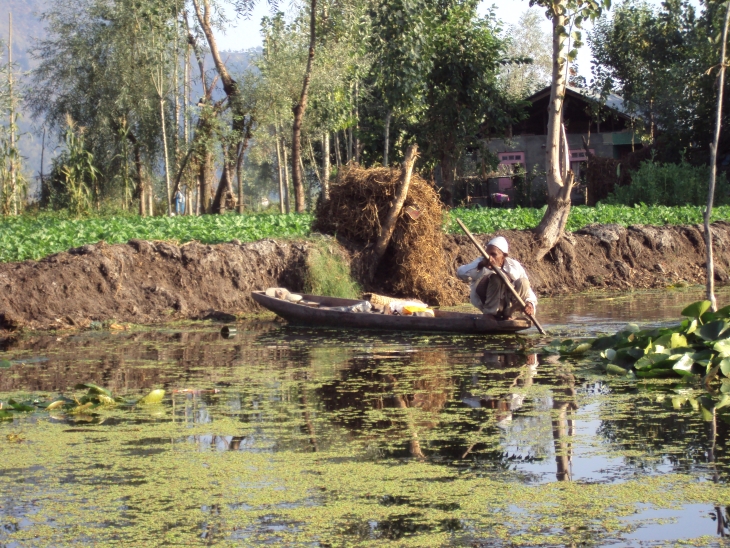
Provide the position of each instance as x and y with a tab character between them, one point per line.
500	243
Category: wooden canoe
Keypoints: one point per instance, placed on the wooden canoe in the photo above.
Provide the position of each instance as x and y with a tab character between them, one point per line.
450	322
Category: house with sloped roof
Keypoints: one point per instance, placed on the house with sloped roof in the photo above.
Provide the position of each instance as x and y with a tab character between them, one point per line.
606	127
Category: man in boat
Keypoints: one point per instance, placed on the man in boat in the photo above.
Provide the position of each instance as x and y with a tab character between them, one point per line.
488	292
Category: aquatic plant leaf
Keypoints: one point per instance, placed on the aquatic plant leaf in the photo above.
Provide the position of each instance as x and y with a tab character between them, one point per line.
725	366
633	328
55	405
635	352
651	361
106	400
612	369
4	364
6	415
655	373
81	408
707	414
712	331
684	365
679	401
603	343
695	310
609	354
723	312
677	340
581	348
722	348
724	402
692	327
94	389
21	407
155	396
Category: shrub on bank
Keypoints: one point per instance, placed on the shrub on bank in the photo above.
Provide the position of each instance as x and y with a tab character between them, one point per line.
670	185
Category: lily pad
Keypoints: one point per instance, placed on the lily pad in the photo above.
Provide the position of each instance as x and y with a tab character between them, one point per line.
713	330
695	310
153	397
684	365
677	340
21	406
655	373
94	389
612	369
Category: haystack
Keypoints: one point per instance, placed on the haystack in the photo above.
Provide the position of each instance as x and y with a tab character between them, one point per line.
414	264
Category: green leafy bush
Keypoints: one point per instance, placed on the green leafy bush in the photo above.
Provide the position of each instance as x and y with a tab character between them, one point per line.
670	185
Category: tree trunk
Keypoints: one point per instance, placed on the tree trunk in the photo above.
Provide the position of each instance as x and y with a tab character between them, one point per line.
447	176
357	122
388	226
282	196
559	182
348	143
325	167
206	186
386	138
286	178
313	162
167	163
710	284
338	159
239	177
139	174
299	110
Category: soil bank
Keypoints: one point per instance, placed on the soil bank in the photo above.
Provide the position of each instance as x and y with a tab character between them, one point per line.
151	282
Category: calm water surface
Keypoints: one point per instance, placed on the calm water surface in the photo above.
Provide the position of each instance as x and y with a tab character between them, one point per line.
288	436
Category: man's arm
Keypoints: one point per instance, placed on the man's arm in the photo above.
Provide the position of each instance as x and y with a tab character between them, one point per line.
469	272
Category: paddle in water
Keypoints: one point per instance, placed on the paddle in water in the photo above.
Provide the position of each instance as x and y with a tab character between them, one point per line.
502	275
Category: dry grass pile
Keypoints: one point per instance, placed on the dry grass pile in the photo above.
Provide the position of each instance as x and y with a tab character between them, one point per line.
414	264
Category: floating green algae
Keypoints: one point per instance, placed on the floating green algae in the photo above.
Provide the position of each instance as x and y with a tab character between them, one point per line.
288	436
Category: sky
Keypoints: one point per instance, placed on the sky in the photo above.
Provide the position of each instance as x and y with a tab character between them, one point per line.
245	34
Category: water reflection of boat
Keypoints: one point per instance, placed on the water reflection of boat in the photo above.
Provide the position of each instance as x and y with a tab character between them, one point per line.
321	315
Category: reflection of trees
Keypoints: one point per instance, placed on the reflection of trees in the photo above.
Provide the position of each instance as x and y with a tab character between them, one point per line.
564	406
649	427
437	411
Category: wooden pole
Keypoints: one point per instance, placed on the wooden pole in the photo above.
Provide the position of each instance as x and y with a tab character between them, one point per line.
388	226
502	275
710	284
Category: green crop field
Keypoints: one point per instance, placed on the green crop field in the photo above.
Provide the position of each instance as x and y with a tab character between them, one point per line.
484	221
34	237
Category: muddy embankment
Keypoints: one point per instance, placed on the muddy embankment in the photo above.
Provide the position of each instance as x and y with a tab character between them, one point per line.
150	282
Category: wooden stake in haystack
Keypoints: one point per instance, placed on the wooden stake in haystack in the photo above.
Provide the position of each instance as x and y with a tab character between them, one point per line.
388	226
